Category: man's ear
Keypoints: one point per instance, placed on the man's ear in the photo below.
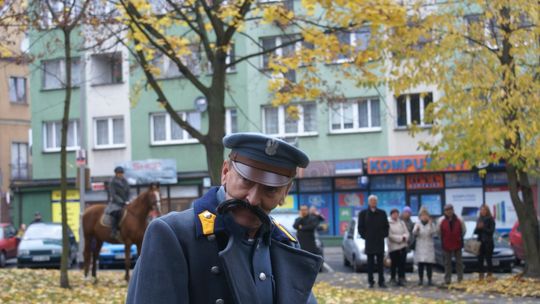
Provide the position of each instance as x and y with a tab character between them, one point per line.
224	171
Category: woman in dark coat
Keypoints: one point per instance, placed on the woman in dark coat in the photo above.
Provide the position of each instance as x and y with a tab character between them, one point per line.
485	227
306	224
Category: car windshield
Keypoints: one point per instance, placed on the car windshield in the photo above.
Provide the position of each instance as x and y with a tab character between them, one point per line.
1	232
42	232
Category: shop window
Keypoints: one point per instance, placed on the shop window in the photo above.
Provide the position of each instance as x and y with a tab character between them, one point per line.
388	200
465	179
348	205
323	202
315	185
387	182
496	179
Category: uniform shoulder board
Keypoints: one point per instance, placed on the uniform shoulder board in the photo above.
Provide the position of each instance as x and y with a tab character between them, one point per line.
207	219
285	231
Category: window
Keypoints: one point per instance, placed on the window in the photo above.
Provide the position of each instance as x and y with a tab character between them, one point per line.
482	31
109	132
107	68
355	115
164	130
57	7
278	123
52	131
411	109
231	121
269	43
17	89
54	73
355	41
167	68
289	4
19	161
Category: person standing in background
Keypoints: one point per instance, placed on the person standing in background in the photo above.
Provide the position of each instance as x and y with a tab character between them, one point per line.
485	227
451	230
398	238
306	224
424	254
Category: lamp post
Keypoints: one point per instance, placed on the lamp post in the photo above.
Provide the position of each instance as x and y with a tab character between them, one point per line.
481	167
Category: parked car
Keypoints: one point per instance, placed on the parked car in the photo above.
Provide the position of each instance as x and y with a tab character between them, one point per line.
516	242
353	249
41	246
112	255
8	243
503	255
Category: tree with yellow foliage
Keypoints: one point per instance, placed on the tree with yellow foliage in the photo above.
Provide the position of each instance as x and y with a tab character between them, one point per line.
181	30
484	58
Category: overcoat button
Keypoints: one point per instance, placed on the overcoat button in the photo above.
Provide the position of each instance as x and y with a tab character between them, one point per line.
214	270
211	237
262	276
220	301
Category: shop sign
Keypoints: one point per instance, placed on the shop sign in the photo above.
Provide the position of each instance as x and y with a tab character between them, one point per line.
143	172
329	168
425	181
404	164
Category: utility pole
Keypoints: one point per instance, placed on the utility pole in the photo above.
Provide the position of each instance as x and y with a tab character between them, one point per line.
82	157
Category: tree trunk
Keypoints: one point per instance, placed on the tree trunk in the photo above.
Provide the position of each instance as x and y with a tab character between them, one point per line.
64	279
518	180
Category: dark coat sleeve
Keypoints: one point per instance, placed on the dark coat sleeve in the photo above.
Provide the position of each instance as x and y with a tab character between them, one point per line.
386	224
161	272
297	223
362	224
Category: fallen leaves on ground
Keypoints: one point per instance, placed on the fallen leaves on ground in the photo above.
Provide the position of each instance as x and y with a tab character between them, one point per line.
43	286
327	294
509	285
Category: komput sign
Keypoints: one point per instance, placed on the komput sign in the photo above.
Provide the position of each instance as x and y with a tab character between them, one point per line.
405	164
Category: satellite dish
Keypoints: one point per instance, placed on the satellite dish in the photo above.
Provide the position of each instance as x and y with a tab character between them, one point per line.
200	104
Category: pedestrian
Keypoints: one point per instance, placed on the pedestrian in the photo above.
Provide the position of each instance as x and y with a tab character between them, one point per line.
485	227
398	238
37	218
118	198
21	231
322	226
424	254
306	225
451	229
406	218
227	249
373	228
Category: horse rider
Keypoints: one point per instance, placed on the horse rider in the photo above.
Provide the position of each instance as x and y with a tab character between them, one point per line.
118	198
227	248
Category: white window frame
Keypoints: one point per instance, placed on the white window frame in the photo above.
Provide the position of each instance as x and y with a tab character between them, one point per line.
353	45
110	133
168	124
278	52
62	77
408	109
56	145
356	128
228	120
282	115
17	80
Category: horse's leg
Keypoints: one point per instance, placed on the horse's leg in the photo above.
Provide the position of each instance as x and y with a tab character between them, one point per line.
95	258
86	253
127	260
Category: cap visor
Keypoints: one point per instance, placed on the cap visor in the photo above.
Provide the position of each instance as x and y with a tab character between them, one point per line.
261	176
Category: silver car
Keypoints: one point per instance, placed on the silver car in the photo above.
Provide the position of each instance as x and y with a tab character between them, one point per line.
353	249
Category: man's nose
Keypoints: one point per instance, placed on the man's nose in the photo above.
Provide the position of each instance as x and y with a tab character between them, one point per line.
254	195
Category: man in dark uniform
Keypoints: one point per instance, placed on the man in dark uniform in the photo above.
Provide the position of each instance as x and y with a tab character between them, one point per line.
373	227
118	197
306	225
227	249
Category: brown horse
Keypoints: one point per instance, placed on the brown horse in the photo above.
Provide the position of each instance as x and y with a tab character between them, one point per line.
132	228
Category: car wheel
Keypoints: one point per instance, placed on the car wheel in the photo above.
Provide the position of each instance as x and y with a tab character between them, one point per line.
345	261
2	260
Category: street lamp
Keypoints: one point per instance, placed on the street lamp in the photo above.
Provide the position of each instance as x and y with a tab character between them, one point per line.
481	167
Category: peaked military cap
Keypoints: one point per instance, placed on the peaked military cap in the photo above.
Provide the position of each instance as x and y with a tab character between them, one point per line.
264	159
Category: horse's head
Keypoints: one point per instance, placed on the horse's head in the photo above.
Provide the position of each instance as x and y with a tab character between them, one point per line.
155	197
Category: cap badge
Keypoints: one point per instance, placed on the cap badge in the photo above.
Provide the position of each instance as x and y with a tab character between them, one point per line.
271	147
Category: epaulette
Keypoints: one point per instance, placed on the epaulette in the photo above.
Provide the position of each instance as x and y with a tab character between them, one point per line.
282	233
